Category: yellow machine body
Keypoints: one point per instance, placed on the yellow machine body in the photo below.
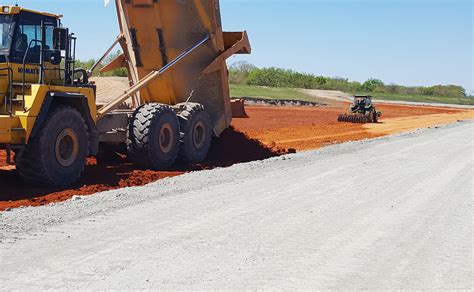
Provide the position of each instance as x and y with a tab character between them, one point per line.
156	32
17	118
17	127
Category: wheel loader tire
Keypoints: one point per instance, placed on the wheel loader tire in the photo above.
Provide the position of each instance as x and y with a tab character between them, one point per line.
57	155
196	133
154	136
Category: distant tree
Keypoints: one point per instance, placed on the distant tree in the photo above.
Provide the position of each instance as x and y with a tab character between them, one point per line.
239	71
121	72
277	77
449	90
242	66
371	84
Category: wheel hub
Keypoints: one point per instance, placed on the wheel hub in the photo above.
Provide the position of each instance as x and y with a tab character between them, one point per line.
67	147
199	135
166	138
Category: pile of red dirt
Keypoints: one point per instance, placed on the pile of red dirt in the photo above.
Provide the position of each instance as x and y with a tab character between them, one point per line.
236	147
112	170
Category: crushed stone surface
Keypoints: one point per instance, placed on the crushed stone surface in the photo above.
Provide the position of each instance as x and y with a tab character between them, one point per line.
386	213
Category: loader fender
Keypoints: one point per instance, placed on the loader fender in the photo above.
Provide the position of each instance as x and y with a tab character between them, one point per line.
77	101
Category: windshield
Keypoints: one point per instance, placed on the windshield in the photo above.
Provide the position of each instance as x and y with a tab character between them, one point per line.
6	32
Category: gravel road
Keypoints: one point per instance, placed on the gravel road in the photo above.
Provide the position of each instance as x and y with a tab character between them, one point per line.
389	213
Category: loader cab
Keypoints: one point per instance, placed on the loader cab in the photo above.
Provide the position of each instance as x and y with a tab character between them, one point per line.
22	37
36	47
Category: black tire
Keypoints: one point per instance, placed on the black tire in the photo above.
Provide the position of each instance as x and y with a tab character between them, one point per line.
196	133
153	140
57	155
375	117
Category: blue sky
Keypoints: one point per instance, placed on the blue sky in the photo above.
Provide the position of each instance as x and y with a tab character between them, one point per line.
409	42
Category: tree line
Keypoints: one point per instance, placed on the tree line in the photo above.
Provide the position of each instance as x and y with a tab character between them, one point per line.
248	74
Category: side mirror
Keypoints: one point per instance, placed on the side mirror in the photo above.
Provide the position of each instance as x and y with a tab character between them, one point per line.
60	38
54	57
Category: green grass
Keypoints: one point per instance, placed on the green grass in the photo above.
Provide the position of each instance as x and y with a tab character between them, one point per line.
424	98
268	92
237	91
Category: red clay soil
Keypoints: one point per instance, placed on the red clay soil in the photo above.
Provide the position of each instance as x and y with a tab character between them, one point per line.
268	132
304	128
113	171
265	118
398	111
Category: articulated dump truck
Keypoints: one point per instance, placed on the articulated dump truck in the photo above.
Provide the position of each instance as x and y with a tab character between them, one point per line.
178	100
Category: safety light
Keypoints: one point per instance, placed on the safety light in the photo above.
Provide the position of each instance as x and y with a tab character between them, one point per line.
6	9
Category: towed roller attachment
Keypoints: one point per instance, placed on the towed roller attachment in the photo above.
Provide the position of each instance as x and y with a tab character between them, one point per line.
357	119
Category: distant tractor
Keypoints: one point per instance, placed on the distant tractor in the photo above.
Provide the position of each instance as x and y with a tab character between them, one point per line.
361	111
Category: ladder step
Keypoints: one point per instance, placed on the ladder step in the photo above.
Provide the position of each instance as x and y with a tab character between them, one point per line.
20	84
18	98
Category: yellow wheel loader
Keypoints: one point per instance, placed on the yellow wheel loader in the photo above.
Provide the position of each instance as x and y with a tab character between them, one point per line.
175	54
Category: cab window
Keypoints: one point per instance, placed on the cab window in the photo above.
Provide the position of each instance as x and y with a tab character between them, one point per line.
6	32
28	35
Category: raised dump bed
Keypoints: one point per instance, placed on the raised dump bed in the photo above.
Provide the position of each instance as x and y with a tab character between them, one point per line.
155	33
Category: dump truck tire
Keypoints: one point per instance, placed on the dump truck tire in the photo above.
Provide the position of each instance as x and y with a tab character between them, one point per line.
196	133
57	155
154	136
